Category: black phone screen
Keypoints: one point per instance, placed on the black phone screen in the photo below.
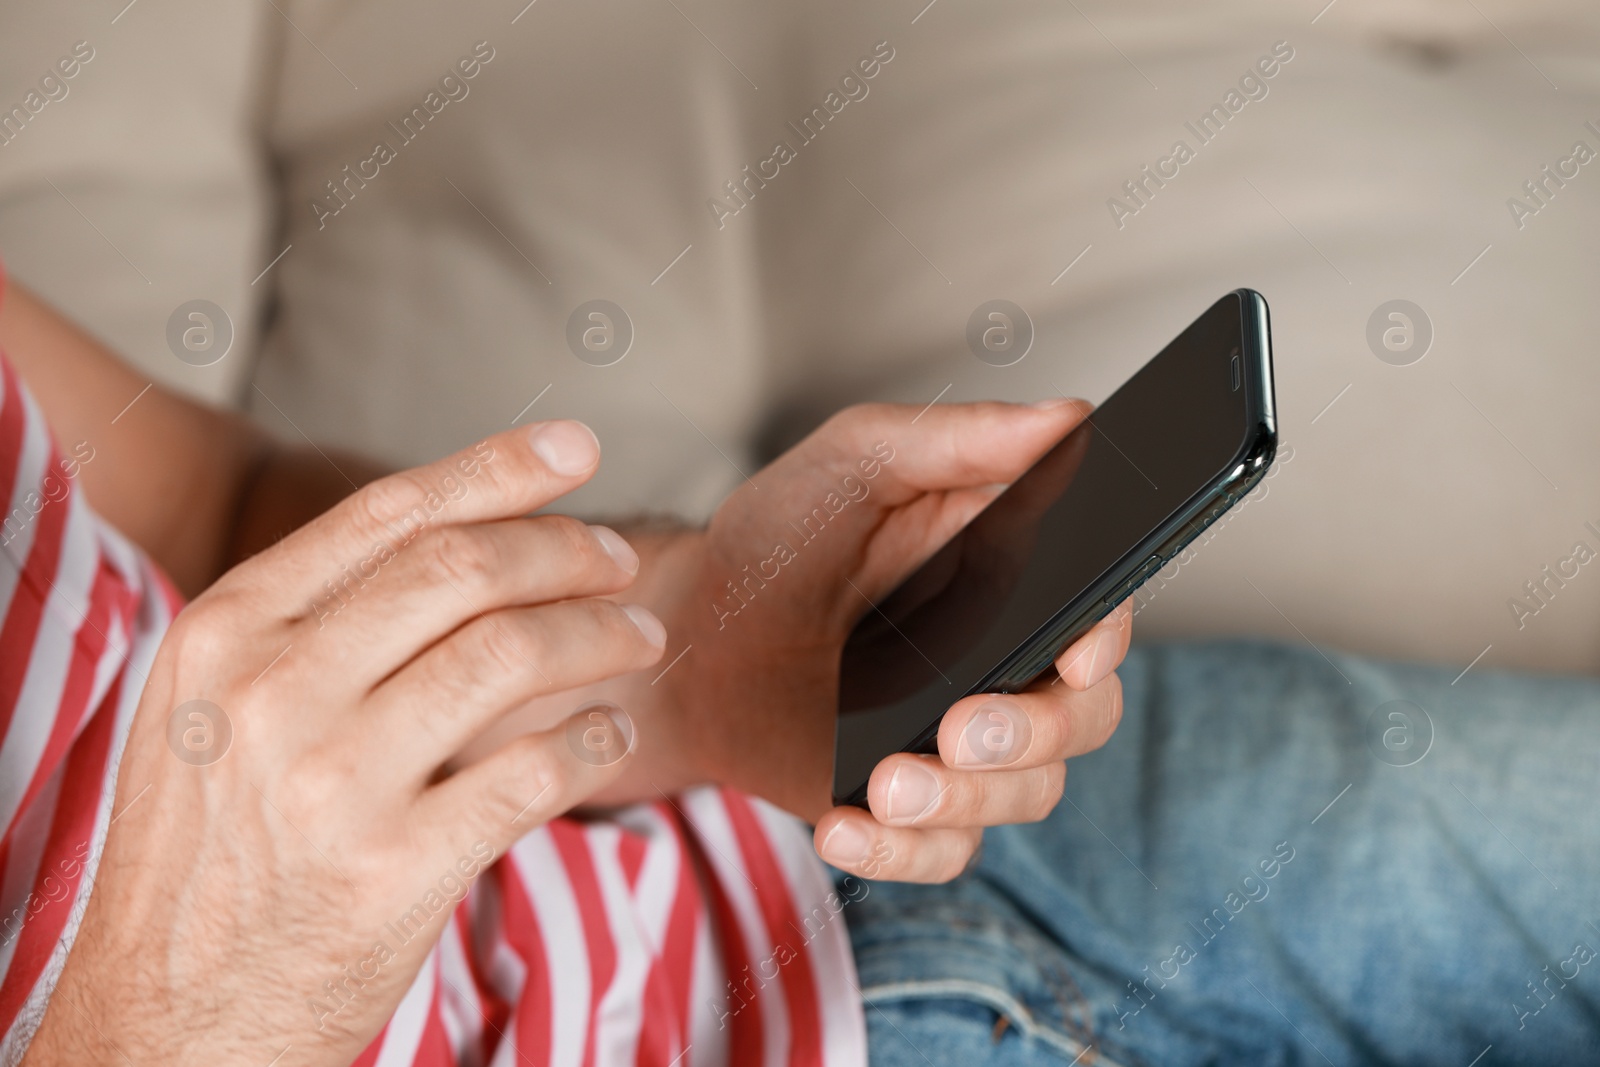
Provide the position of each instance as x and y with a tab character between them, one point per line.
1166	435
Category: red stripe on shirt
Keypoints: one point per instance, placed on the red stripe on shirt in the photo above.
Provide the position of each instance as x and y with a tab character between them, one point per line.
534	1031
108	597
68	777
573	846
493	1011
779	913
13	420
369	1055
630	854
25	614
743	1018
660	1046
73	825
16	637
433	1047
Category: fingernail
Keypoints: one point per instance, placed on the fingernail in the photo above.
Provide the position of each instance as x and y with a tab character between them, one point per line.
1104	658
648	624
621	553
913	791
566	447
997	735
847	844
600	733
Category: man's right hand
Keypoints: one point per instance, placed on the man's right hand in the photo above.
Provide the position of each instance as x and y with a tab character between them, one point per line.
281	804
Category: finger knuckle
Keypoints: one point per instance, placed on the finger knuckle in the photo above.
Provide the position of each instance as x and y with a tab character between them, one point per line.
1090	717
202	635
319	783
453	678
395	500
1068	728
504	648
529	791
857	420
950	864
459	557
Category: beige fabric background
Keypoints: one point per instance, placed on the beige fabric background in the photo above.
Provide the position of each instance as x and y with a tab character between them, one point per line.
432	308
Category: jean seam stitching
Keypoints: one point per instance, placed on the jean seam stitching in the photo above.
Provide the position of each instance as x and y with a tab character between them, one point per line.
998	999
1077	1014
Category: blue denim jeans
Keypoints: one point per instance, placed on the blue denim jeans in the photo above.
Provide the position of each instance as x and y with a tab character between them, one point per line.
1280	858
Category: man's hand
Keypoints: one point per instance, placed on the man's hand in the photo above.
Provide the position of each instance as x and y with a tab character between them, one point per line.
860	504
760	603
771	590
287	847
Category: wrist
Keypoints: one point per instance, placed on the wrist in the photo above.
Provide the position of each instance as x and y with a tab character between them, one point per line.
278	489
668	756
665	698
78	1028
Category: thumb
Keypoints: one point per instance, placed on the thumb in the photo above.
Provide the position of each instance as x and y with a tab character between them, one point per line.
944	447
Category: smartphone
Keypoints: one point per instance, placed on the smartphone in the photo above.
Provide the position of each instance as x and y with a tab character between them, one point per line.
1121	495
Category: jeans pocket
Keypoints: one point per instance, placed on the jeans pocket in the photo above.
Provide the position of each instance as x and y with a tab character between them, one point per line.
967	1022
962	975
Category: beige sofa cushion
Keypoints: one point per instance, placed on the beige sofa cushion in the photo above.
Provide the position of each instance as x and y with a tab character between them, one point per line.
142	185
580	163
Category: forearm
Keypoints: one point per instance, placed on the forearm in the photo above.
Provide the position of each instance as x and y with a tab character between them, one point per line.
201	490
287	489
198	489
667	757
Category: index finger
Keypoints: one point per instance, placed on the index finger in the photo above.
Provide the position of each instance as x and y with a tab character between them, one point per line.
501	477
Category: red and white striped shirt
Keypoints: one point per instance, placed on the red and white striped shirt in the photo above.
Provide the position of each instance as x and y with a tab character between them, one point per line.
698	931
